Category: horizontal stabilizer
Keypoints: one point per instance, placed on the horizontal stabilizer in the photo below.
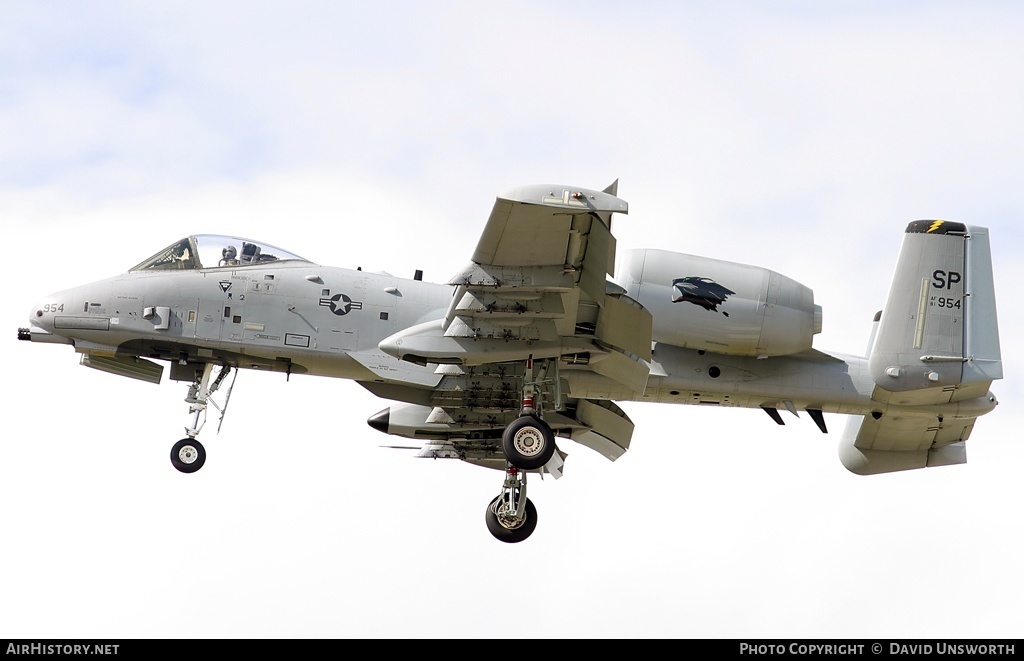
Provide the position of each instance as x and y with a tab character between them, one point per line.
898	442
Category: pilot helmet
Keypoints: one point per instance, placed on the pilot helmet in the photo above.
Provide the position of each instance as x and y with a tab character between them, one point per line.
229	252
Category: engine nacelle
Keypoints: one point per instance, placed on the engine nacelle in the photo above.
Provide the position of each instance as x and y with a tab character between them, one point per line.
720	306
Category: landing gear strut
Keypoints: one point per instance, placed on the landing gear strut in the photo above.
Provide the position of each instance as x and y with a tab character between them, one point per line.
529	444
188	455
511	517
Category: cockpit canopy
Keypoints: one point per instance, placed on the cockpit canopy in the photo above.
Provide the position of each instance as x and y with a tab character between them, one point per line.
209	251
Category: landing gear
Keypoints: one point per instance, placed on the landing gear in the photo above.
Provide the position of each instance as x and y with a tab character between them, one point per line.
511	517
188	455
528	442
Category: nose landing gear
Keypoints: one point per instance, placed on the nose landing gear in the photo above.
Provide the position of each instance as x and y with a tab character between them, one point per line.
188	455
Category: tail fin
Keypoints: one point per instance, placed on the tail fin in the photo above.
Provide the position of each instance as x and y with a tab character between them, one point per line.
938	339
933	355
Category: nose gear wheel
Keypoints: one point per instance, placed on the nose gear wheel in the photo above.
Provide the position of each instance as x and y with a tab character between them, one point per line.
188	455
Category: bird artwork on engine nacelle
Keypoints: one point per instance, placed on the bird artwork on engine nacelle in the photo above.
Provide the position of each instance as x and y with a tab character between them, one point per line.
702	292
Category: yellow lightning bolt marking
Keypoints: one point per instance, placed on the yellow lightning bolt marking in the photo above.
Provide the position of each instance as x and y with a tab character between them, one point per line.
936	225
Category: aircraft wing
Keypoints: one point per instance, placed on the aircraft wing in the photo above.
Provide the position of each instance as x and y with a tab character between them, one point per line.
538	276
535	296
551	226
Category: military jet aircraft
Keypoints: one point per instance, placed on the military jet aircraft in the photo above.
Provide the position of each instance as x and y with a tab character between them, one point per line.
527	349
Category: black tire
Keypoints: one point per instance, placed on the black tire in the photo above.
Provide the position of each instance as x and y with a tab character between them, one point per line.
510	532
528	442
188	455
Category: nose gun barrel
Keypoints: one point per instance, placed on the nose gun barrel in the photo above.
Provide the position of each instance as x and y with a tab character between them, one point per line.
40	335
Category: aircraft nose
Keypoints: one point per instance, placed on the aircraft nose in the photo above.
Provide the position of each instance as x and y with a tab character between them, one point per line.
40	315
41	324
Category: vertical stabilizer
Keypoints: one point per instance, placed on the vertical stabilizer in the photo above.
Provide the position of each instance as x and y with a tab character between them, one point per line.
938	339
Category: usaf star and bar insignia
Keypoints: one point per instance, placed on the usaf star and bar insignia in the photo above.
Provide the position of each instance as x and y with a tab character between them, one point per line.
341	304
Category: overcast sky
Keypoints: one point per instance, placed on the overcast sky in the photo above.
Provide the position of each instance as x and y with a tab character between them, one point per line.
799	136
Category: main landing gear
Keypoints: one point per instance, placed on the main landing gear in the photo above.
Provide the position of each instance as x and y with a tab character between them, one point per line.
511	517
188	455
529	444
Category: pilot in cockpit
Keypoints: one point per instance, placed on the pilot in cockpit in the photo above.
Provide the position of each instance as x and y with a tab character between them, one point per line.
228	256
